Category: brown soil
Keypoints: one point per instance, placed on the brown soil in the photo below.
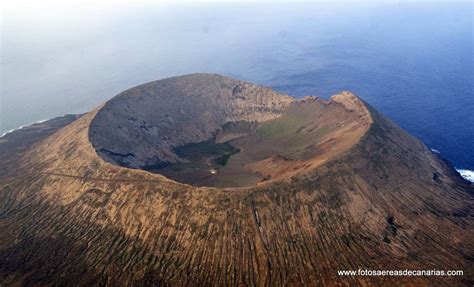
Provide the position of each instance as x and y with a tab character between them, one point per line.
69	217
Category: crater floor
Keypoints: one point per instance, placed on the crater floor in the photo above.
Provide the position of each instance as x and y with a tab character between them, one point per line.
243	154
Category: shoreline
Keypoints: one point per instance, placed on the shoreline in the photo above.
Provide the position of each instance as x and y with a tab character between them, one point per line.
23	126
466	174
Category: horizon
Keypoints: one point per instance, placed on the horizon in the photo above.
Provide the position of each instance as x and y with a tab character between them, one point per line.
55	62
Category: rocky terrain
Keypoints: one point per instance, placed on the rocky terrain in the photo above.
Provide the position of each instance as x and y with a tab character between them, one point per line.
78	208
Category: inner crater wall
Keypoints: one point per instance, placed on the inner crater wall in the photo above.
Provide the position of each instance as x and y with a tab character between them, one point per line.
140	126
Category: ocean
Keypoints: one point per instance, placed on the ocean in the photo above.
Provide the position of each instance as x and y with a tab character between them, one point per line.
412	62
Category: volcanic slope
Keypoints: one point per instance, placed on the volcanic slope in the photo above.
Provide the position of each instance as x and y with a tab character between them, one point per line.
328	185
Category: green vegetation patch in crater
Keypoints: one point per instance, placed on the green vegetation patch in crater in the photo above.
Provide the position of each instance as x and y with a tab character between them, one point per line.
208	150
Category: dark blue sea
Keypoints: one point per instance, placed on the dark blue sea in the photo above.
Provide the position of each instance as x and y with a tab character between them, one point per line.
413	62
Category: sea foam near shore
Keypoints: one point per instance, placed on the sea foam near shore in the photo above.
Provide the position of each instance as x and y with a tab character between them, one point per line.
20	127
466	174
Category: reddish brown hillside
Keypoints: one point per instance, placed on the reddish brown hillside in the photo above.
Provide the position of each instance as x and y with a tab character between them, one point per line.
70	215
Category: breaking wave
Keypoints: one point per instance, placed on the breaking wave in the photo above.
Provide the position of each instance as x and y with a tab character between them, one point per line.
19	128
466	174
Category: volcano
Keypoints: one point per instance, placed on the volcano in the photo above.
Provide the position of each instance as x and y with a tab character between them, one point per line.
203	180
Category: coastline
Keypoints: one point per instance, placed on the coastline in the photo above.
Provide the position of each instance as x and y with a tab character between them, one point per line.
466	174
23	126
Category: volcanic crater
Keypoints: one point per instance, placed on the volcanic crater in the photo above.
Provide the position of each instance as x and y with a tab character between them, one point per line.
210	130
